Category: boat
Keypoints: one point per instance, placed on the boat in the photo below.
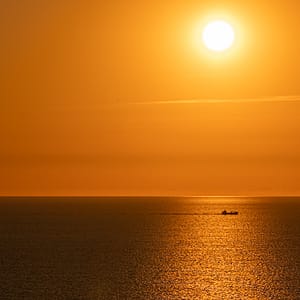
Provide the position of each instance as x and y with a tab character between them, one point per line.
225	212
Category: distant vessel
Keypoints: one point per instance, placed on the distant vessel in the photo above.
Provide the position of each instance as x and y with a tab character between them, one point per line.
225	212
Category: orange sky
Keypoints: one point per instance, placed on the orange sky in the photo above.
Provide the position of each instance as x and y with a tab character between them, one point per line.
88	92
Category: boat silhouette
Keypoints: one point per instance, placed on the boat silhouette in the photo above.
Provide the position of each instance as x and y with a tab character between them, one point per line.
225	212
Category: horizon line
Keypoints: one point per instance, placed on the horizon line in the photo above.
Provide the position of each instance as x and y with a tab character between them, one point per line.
149	196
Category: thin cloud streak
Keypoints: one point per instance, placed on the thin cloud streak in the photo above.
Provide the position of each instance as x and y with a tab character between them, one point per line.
294	98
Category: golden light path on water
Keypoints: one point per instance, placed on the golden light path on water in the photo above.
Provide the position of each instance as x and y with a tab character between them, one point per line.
215	257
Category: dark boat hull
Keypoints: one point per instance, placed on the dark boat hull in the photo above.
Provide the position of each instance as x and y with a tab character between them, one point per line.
230	213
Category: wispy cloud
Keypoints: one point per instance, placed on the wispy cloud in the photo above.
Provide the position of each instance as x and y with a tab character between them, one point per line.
291	98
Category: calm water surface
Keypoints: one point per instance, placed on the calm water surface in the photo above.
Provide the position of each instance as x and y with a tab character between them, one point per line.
149	248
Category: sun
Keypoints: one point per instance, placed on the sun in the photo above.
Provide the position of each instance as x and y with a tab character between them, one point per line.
218	36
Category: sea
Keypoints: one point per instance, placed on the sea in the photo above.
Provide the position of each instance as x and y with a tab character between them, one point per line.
149	248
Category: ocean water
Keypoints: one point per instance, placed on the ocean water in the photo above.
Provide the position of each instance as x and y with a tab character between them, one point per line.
149	248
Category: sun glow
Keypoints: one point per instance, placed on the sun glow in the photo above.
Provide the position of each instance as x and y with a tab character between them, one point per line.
218	36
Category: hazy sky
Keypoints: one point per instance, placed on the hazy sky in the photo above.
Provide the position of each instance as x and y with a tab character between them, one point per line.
91	98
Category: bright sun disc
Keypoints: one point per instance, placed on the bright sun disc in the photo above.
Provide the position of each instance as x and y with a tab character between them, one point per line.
218	36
